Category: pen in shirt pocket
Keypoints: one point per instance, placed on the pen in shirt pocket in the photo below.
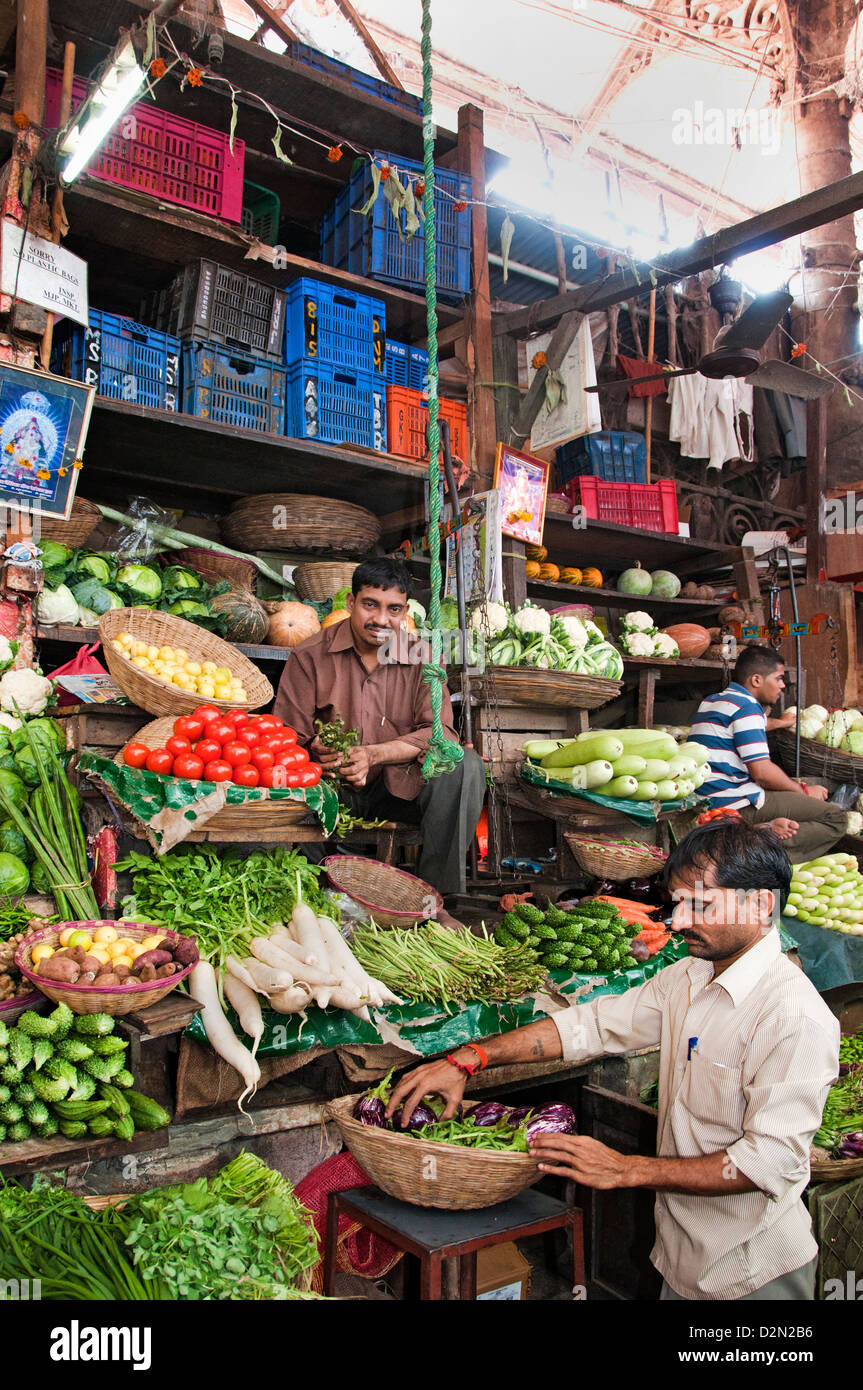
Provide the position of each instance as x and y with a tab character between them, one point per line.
693	1043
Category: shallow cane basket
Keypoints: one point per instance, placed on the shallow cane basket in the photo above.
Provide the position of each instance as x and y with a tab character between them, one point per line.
298	521
391	896
817	760
95	999
166	630
432	1174
75	532
317	581
617	859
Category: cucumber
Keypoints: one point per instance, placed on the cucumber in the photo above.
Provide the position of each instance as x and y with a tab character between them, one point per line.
597	774
604	746
647	791
655	769
630	765
621	787
146	1113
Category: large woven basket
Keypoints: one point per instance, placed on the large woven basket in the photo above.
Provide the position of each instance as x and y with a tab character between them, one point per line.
617	859
215	566
317	581
520	685
295	521
835	1169
817	760
77	530
94	999
262	814
429	1174
392	897
163	629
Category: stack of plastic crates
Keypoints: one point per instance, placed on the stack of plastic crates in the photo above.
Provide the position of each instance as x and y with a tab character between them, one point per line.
616	456
335	350
122	359
406	366
642	506
408	420
375	245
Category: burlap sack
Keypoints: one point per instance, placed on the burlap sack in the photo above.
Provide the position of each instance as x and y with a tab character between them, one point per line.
205	1080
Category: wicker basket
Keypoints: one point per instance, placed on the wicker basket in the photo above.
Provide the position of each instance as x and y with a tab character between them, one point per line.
394	898
12	1009
835	1169
319	581
77	530
163	629
241	574
520	685
428	1174
617	859
817	760
94	999
261	814
294	521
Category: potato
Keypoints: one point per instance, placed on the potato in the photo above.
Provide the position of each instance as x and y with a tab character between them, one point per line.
86	977
147	973
122	972
91	965
60	968
76	953
109	980
165	970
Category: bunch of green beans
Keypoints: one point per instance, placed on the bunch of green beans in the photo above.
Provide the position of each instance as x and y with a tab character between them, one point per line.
446	965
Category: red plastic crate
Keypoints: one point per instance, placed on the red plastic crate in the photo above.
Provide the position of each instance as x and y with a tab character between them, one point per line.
643	506
171	158
407	420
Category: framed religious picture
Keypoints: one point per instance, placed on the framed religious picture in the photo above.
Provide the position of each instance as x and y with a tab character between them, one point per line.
43	426
523	484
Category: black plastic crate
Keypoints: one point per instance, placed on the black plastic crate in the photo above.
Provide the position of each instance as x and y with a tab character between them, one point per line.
210	302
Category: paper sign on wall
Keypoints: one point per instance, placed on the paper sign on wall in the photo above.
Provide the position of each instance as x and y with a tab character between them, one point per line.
579	413
43	274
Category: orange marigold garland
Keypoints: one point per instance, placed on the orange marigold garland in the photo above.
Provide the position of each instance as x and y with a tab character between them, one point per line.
539	360
157	68
194	76
334	153
798	350
21	119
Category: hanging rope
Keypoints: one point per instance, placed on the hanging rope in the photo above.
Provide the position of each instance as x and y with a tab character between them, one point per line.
443	755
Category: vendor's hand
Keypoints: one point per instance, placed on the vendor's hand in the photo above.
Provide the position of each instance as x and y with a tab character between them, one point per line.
788	720
580	1159
330	759
356	767
434	1078
820	793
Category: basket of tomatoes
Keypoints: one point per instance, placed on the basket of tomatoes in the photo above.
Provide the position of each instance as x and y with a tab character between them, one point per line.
256	752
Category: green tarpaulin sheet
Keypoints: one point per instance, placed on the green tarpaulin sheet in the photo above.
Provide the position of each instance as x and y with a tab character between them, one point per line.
829	958
638	810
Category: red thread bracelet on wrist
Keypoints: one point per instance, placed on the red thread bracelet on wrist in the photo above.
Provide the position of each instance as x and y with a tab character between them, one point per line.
463	1067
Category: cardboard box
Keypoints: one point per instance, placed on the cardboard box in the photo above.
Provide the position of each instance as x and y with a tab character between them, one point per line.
502	1272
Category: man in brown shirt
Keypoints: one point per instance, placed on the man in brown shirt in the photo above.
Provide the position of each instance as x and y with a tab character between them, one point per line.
368	670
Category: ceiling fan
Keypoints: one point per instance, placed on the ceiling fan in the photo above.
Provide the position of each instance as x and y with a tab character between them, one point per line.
735	353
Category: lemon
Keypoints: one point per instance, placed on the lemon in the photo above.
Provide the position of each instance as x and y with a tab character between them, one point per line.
101	954
137	950
222	673
181	654
80	938
153	653
141	661
179	679
150	943
117	644
222	692
193	668
125	637
41	953
122	960
166	653
102	935
140	648
65	934
206	688
210	668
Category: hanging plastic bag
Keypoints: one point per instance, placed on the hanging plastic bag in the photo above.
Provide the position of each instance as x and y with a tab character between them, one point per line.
140	543
846	796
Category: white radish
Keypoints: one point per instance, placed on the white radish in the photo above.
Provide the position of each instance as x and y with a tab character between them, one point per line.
266	978
305	928
362	1013
344	997
239	972
313	974
265	950
291	1001
220	1034
244	1001
322	995
286	943
386	995
342	957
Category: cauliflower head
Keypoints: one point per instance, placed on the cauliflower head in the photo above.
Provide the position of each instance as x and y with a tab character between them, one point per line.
637	622
24	691
665	646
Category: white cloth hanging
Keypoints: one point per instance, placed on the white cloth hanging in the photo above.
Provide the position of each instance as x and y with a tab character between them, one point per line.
706	418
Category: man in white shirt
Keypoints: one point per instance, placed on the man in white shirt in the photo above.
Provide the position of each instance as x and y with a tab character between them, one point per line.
748	1051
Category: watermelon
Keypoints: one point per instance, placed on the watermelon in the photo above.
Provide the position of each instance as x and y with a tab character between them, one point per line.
635	581
664	584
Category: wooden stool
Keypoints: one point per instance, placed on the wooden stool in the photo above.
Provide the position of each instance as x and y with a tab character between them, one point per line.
434	1236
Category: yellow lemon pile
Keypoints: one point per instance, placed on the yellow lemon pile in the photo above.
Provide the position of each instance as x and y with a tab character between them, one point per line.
174	666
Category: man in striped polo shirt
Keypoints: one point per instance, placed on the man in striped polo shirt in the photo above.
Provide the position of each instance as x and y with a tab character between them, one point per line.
733	727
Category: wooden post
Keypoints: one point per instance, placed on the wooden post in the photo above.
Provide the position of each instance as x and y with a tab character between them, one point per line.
560	253
31	42
481	423
648	414
58	215
514	575
646	691
816	488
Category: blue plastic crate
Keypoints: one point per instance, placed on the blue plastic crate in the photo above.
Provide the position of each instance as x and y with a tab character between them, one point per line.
122	359
325	323
406	366
334	406
231	389
363	81
615	456
373	245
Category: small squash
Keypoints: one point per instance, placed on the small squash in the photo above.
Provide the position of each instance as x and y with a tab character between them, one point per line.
550	573
532	569
292	623
591	578
337	616
692	640
570	575
536	552
247	618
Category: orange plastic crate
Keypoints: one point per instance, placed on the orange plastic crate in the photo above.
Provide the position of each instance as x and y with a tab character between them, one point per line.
642	506
407	421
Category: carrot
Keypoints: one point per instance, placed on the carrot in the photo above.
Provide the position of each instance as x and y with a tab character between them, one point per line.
627	902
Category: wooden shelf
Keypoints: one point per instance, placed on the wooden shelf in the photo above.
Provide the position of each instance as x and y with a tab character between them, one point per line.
78	636
36	1155
684	669
612	598
613	547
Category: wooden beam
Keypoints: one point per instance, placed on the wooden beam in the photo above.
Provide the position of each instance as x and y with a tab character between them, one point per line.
8	20
560	256
477	320
816	487
555	353
273	21
827	204
355	20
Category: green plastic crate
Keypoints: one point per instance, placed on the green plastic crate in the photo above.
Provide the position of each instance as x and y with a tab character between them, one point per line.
261	213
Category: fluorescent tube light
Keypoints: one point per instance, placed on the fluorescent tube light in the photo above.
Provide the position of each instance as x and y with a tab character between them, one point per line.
115	93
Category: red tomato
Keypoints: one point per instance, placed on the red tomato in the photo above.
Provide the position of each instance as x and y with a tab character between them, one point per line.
269	742
177	746
160	760
273	777
246	776
206	713
309	776
261	759
237	717
249	736
187	726
293	758
283	745
288	733
208	749
187	765
236	753
223	731
218	771
268	721
293	778
135	754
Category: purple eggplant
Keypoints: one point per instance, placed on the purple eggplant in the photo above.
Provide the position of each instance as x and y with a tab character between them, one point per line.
551	1119
370	1110
517	1115
421	1117
852	1145
491	1112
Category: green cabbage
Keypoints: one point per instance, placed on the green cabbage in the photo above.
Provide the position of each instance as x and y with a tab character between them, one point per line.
187	608
178	577
14	875
58	606
95	565
340	600
142	582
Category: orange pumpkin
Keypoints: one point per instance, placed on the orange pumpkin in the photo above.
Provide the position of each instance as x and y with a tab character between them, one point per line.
591	578
337	616
536	552
691	639
570	575
550	573
532	568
